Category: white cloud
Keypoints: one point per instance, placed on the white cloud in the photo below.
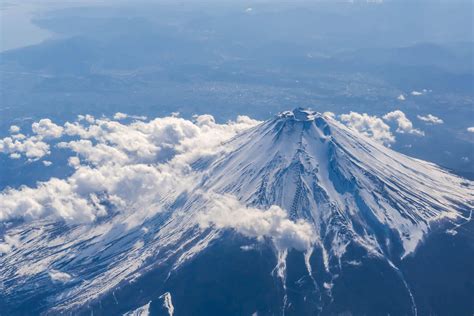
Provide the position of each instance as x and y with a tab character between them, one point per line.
47	163
18	136
55	198
88	118
416	93
14	129
470	129
375	127
74	162
120	116
371	126
404	124
139	117
47	129
9	243
225	211
4	248
401	97
430	119
134	166
33	148
329	114
15	156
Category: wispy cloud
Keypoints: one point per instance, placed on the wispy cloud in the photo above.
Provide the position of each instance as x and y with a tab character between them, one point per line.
430	119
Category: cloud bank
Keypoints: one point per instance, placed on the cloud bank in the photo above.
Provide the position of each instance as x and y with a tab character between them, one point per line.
118	167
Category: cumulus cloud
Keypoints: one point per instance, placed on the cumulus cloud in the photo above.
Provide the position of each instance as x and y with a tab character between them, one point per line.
404	124
33	147
430	119
15	156
120	116
470	129
131	166
56	198
74	162
416	93
9	243
88	118
18	136
401	97
226	212
14	129
45	128
371	126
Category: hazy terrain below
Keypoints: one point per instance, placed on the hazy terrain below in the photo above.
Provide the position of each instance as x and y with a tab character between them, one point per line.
255	59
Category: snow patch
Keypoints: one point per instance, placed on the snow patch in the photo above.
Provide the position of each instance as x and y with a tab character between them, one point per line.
168	303
58	276
141	311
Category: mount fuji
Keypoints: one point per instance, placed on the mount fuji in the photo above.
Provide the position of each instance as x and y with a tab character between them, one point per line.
298	215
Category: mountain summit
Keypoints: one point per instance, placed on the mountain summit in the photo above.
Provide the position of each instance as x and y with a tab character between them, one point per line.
349	187
296	215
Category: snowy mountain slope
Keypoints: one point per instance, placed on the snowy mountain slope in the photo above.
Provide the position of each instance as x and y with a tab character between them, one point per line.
344	183
299	181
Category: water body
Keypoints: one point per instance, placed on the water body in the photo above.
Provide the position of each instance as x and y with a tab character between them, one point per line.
16	26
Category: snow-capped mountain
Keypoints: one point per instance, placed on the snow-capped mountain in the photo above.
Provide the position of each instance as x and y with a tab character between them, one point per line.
297	215
344	184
